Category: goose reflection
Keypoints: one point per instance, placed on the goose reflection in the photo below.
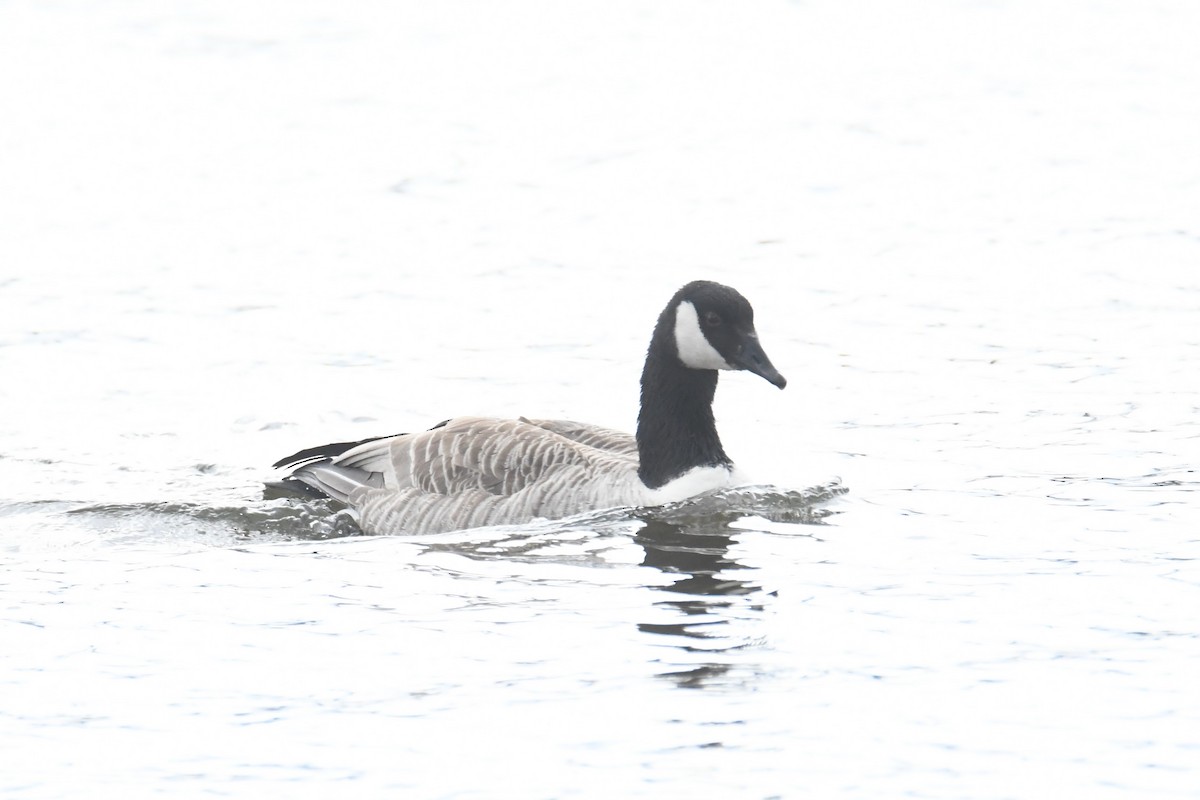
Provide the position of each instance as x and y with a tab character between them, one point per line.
711	602
712	609
697	551
719	600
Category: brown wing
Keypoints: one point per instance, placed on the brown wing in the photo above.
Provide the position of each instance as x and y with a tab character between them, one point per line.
498	456
591	435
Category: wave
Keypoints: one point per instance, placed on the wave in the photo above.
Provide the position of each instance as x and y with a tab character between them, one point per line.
285	519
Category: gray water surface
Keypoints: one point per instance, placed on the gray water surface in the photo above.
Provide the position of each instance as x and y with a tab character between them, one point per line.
970	567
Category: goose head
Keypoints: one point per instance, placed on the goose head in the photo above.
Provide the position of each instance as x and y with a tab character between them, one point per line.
714	329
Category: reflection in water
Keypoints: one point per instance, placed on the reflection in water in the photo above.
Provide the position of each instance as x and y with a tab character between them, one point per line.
698	678
713	598
693	549
691	541
698	553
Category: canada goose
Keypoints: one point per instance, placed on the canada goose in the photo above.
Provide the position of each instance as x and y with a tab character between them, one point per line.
474	471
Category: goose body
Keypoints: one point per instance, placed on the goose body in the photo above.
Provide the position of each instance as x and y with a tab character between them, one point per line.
475	471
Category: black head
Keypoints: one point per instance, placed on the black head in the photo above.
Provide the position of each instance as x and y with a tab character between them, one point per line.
714	329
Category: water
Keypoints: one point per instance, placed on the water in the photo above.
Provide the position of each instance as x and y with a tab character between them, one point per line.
233	230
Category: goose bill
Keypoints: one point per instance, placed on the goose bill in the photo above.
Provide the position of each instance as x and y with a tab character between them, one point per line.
750	357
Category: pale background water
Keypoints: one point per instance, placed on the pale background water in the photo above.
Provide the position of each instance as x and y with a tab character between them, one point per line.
969	229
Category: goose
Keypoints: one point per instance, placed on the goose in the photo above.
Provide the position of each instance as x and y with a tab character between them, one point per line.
470	472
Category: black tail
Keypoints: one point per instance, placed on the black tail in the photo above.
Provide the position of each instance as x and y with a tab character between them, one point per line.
291	487
322	452
328	452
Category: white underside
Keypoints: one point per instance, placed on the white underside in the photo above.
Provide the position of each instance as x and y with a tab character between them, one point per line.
697	480
385	510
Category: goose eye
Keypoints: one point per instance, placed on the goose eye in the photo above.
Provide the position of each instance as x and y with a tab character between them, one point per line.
712	319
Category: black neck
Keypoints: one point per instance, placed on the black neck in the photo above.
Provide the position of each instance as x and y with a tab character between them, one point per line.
676	430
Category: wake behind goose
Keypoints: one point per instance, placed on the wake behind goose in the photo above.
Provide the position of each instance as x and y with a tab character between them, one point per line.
476	471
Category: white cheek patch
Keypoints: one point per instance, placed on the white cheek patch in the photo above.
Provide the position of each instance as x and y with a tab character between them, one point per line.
694	348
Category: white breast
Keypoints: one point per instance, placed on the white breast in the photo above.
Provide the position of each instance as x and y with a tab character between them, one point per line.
697	480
